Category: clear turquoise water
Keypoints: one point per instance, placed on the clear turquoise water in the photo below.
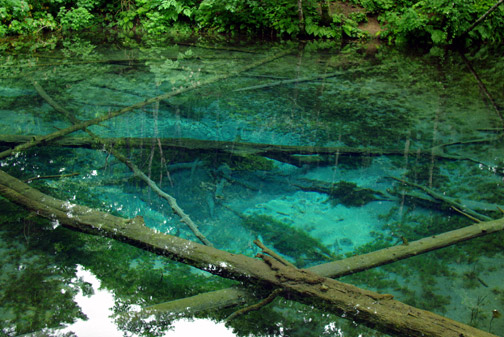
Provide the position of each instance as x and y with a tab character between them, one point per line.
377	99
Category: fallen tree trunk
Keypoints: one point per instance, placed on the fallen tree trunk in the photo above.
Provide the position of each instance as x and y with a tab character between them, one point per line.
375	310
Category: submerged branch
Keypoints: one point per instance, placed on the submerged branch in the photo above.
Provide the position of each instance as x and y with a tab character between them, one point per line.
450	201
136	171
295	80
53	176
482	85
270	298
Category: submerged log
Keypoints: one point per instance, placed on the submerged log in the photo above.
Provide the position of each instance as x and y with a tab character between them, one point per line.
445	199
378	311
347	193
295	80
297	155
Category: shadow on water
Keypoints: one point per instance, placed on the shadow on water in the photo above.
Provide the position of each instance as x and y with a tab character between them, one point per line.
298	152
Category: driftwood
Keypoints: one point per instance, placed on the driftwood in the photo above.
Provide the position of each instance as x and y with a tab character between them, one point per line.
42	140
379	311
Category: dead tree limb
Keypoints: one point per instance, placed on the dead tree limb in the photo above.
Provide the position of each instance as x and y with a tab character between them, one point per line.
42	140
481	18
134	168
270	298
378	311
450	201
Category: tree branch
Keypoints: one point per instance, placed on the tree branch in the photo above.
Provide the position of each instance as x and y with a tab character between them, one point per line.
481	18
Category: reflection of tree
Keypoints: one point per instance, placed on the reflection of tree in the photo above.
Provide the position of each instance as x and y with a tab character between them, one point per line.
36	283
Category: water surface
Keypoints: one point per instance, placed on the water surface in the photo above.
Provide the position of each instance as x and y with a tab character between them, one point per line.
432	119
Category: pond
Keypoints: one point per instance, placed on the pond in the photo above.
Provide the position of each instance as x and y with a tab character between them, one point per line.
321	151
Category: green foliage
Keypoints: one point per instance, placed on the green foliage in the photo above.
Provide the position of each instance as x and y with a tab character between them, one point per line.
75	18
248	16
16	17
418	21
157	16
437	21
313	28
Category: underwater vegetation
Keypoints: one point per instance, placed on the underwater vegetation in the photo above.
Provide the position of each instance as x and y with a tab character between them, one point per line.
292	242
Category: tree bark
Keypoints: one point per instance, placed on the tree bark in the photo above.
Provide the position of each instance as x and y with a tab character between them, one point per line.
301	24
375	310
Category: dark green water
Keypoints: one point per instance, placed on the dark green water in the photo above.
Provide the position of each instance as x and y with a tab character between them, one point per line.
310	208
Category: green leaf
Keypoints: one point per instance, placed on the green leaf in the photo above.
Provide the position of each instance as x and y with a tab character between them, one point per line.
438	36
